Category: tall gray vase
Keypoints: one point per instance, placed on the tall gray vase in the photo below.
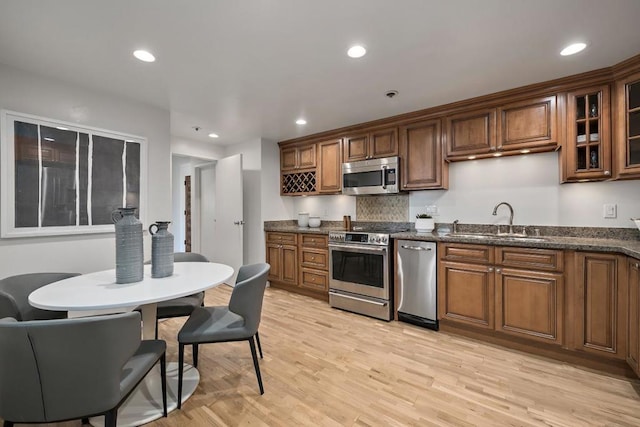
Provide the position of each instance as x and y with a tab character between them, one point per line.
161	249
129	253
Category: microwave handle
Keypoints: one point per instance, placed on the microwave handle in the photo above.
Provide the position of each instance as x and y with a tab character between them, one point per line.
384	177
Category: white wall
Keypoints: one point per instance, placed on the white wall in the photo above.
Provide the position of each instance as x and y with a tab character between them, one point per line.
199	149
274	207
28	93
530	183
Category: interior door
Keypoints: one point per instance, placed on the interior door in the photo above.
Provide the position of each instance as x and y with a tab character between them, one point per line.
229	213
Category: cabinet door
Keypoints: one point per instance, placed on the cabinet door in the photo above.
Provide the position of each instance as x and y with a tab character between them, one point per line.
527	124
274	259
530	304
466	294
356	147
307	156
627	129
289	265
288	158
383	143
330	166
587	154
421	155
471	132
633	332
600	322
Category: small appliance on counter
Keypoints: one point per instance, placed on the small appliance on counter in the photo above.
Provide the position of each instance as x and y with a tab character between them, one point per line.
314	222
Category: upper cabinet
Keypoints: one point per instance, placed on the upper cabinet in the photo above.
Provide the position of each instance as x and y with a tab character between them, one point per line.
627	131
518	127
587	150
471	133
330	166
422	166
372	144
298	157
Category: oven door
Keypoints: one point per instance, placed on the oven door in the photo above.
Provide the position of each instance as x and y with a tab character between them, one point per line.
359	269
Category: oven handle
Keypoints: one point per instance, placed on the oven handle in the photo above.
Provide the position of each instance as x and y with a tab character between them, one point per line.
362	249
382	304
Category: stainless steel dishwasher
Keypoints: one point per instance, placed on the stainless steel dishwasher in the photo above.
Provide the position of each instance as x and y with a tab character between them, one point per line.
417	291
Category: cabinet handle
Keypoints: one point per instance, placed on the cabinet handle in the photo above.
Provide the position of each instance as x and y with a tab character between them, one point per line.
607	173
498	270
313	240
313	279
490	269
499	147
312	258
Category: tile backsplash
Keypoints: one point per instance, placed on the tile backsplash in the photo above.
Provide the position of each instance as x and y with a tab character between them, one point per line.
383	208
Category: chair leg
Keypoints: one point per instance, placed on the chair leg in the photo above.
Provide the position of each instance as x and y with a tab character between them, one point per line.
156	327
194	353
111	418
259	346
163	375
255	363
180	372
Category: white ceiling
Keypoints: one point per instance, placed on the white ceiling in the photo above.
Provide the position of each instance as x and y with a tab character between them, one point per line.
248	69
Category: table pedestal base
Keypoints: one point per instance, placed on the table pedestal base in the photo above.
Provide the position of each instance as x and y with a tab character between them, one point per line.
145	403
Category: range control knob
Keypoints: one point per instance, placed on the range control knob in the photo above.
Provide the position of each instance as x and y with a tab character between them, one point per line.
384	240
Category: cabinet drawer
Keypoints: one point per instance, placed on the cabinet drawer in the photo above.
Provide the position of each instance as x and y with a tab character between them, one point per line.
314	241
477	254
286	238
530	258
314	279
315	258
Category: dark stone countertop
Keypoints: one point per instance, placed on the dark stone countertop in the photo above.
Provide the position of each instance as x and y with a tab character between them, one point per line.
624	241
627	247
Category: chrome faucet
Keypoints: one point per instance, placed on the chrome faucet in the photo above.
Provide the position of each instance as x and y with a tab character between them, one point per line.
495	212
455	226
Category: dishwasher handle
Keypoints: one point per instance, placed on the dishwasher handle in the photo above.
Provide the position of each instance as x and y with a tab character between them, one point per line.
415	248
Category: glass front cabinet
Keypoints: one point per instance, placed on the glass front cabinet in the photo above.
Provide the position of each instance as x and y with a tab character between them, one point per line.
627	136
588	142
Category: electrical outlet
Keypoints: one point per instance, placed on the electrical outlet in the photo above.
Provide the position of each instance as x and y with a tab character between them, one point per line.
610	210
431	209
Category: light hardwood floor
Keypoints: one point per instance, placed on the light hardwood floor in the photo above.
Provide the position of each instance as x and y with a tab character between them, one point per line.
325	367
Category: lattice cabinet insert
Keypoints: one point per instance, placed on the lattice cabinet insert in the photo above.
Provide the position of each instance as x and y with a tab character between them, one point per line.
302	182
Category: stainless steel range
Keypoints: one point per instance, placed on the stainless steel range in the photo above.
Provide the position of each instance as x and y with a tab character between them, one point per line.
360	273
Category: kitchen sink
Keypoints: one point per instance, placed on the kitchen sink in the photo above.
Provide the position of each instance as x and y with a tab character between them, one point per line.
506	237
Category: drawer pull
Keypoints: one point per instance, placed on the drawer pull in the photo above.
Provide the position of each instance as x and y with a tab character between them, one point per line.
312	258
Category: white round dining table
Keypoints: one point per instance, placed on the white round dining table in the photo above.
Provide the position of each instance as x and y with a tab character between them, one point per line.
98	293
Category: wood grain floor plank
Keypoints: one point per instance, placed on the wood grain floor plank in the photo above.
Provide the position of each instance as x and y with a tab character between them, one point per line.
326	367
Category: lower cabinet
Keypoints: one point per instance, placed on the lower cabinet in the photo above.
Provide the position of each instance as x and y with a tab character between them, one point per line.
600	320
517	300
633	324
282	255
299	262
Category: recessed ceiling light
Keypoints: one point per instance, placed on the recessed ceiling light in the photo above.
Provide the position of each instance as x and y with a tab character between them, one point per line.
143	55
573	48
356	51
214	135
301	122
61	128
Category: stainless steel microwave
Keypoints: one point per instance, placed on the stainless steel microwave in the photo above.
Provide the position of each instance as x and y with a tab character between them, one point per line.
375	176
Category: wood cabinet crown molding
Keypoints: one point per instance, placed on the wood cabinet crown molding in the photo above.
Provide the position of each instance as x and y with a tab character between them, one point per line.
595	77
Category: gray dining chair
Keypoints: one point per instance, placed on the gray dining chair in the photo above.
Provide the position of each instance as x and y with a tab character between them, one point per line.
183	306
66	369
14	296
238	321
